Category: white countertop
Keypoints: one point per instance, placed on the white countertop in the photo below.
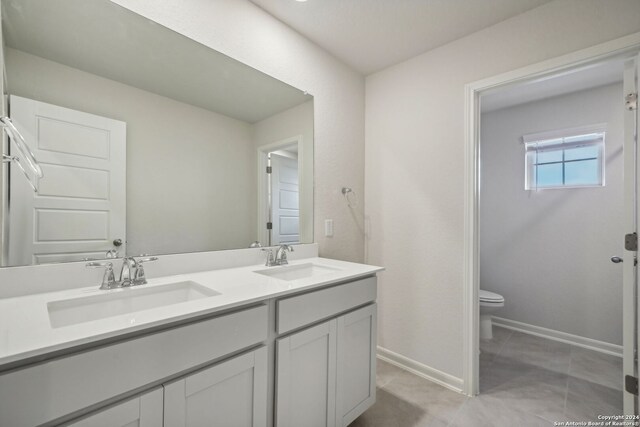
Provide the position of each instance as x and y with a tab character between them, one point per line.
26	331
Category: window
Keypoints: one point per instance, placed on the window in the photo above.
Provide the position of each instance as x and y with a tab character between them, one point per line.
565	158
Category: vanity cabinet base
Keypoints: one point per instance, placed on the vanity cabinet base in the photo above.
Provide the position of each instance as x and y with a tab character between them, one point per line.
325	375
60	389
231	369
230	393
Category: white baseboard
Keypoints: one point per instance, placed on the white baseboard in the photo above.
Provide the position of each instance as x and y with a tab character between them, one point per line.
424	371
577	340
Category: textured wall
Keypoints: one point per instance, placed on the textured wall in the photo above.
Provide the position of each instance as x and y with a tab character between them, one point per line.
547	252
415	165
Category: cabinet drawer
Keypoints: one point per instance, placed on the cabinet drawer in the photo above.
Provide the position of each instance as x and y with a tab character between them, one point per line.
54	389
141	411
301	310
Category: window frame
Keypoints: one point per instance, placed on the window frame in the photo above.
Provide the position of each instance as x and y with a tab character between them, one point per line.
531	143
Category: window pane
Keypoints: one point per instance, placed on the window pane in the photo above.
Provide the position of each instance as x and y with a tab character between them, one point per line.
582	173
549	156
549	175
572	158
582	152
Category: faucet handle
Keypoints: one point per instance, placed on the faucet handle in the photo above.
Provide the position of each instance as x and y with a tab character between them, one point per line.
139	277
109	278
270	258
111	254
146	258
96	264
281	254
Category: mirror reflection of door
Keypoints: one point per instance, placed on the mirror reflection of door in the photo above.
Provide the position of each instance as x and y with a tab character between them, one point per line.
285	206
79	210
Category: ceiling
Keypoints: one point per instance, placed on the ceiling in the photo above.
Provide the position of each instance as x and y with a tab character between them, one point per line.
574	80
370	35
102	38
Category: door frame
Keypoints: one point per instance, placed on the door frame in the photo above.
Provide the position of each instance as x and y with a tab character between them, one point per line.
263	151
471	267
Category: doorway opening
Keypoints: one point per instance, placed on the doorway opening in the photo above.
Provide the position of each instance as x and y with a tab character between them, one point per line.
551	217
279	170
535	148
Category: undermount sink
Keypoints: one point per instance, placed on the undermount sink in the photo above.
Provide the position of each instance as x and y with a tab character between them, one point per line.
295	272
123	301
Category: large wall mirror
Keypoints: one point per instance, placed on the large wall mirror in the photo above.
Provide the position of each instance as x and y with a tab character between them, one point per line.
148	141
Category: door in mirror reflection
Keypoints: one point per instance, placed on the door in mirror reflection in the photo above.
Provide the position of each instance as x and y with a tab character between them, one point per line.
79	209
285	207
284	181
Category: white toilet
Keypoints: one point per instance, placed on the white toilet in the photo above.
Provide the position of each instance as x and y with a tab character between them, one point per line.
490	302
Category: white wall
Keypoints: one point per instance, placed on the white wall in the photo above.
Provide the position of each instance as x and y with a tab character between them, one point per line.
415	165
247	33
296	121
178	193
547	252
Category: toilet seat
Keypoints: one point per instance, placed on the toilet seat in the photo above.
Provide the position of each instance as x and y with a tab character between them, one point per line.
490	302
491	297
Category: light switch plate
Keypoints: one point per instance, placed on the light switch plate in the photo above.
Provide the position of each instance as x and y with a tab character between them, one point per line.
328	228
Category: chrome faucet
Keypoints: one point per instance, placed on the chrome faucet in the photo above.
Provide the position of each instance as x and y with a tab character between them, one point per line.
270	262
128	263
281	254
131	273
139	277
280	257
109	279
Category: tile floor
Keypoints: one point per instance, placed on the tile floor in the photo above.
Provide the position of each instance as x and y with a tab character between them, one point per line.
524	381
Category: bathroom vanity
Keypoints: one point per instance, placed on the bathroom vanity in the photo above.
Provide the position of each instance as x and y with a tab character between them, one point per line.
151	142
249	346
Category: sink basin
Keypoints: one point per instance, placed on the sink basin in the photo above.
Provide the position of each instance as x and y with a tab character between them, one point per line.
295	272
127	300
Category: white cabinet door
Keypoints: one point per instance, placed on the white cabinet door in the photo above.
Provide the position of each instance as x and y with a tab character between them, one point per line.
229	394
306	378
356	364
141	411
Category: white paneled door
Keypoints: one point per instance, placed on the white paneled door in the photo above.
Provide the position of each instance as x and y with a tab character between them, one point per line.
285	200
80	208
